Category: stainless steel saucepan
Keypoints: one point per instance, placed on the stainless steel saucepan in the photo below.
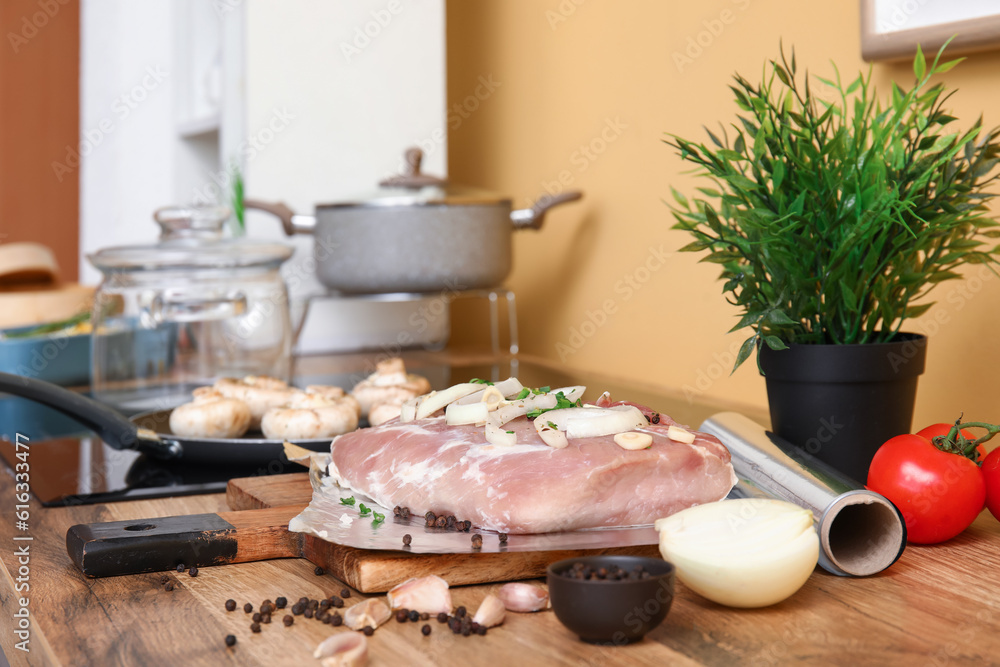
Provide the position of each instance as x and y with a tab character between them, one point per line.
417	234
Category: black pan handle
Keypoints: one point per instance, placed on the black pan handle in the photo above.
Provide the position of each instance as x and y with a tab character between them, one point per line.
112	427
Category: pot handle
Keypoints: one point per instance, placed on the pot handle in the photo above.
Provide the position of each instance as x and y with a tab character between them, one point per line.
290	220
533	217
112	428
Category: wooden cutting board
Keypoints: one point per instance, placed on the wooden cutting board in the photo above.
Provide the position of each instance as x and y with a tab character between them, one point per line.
257	529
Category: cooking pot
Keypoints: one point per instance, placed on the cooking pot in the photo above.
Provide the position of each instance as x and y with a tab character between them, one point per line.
416	234
192	308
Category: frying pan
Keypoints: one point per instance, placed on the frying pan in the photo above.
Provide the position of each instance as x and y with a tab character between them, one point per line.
148	432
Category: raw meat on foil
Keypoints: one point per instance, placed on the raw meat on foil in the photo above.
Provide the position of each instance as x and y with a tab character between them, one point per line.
530	487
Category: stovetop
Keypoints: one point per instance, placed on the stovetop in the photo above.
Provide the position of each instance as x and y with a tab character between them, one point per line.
70	465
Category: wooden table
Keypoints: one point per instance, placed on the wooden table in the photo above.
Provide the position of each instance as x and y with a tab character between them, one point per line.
938	605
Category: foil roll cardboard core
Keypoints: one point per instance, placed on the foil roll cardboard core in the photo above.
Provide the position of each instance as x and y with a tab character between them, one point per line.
861	533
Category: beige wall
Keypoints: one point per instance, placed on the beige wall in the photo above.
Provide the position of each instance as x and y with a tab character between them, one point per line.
609	75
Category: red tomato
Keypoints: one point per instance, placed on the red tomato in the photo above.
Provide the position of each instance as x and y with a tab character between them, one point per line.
991	474
935	430
938	493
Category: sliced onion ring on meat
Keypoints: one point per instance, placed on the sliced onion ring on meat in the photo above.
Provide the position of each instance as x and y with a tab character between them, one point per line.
434	401
509	387
552	437
457	414
497	435
594	422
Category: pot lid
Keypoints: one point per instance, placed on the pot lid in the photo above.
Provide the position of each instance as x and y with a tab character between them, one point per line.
415	188
192	237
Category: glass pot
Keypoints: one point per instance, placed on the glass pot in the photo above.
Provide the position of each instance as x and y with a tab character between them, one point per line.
187	310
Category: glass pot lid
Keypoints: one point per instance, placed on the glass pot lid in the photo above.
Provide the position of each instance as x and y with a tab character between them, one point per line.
415	188
191	237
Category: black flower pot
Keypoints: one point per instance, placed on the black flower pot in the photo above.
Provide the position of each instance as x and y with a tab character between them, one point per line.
841	402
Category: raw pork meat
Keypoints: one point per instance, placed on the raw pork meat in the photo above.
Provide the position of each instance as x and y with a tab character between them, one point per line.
530	487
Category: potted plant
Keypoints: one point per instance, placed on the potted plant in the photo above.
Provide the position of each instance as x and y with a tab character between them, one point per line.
832	217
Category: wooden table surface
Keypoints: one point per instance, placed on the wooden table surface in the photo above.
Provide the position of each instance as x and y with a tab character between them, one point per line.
938	605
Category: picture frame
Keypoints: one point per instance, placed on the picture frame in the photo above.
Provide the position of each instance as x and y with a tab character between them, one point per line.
891	29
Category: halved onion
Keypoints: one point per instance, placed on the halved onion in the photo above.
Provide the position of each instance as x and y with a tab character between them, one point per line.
457	414
593	422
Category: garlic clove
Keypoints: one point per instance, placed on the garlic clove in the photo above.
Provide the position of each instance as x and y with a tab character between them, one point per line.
633	440
750	552
523	597
491	612
371	612
344	649
679	434
426	594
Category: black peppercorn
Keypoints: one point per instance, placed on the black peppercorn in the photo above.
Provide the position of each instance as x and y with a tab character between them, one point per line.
407	540
466	630
345	593
337	602
336	620
477	541
256	617
368	630
424	616
164	579
405	514
430	517
402	616
442	617
230	605
230	640
303	601
288	620
414	615
169	586
450	522
265	618
267	607
426	630
180	567
397	510
247	608
319	571
298	608
481	630
281	603
460	612
193	572
502	537
255	627
308	613
441	522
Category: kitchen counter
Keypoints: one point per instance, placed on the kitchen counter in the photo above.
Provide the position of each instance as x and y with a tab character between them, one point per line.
938	605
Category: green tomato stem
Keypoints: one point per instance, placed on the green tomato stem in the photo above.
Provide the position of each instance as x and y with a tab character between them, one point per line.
956	443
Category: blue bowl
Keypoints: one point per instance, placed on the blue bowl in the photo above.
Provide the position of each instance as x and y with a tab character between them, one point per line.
55	358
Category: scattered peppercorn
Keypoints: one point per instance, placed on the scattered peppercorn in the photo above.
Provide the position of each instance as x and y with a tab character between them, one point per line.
266	607
312	604
164	579
426	630
481	630
405	514
230	605
502	537
460	612
281	603
442	617
402	616
327	618
288	620
441	522
477	541
336	620
468	525
230	640
180	567
424	616
466	631
193	572
255	627
256	617
368	630
450	522
169	586
265	618
247	608
430	517
298	608
336	601
319	571
654	418
308	613
414	615
407	540
397	510
345	593
303	601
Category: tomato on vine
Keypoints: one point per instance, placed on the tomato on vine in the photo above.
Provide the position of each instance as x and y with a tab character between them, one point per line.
933	477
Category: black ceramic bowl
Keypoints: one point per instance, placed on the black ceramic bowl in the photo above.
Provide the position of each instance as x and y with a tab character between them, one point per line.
611	611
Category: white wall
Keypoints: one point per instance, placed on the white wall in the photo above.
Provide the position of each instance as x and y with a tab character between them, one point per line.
346	108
